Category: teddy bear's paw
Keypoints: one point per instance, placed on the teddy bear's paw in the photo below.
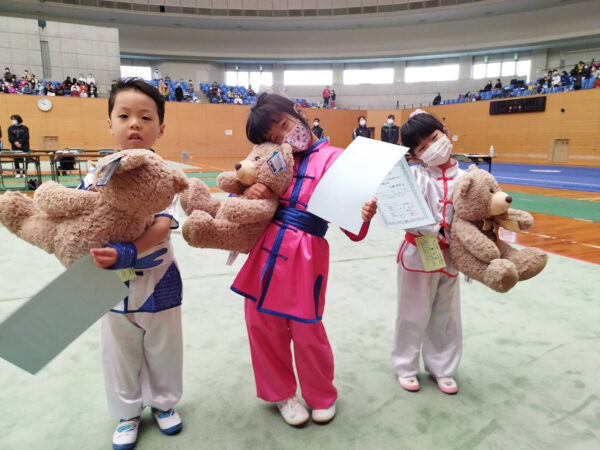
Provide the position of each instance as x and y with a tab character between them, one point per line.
197	229
530	262
15	208
500	275
196	196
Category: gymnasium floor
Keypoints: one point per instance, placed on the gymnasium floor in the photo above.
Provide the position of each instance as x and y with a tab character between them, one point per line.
528	377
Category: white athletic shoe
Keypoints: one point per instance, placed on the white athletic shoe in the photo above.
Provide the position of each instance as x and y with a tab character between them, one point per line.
323	416
293	412
169	422
125	436
18	175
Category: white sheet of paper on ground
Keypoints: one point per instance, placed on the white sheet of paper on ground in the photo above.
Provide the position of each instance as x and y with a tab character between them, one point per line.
54	317
400	203
353	180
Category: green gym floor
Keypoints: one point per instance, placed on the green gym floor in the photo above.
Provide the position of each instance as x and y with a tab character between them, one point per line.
529	376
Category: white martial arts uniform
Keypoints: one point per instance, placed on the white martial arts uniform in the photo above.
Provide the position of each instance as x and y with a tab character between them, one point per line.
142	346
428	318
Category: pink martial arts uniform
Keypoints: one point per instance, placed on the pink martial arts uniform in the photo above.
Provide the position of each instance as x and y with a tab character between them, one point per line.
284	281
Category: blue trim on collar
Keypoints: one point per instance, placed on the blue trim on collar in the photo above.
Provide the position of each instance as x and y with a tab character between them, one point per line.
318	143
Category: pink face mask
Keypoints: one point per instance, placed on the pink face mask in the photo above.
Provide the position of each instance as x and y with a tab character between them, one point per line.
299	138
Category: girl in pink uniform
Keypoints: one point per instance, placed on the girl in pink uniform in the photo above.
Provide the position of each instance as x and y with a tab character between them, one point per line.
285	276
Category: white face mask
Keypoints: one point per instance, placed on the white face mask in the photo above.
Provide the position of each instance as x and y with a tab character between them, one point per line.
438	152
362	123
390	121
316	124
15	122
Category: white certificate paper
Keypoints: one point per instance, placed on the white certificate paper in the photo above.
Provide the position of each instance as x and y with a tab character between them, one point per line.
353	180
400	204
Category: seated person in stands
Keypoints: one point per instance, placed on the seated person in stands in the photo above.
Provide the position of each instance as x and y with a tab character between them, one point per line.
437	99
49	90
4	87
548	79
190	87
468	96
7	75
488	86
498	84
74	90
93	92
597	82
564	78
230	94
556	80
60	90
167	78
83	91
67	83
27	88
250	91
238	100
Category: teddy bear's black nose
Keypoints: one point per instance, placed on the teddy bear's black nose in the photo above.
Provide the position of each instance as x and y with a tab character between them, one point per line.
509	199
238	166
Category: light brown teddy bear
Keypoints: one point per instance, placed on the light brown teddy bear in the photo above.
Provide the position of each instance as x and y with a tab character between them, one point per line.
480	207
236	223
69	222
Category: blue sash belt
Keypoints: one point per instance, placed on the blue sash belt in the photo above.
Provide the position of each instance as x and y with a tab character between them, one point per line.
303	220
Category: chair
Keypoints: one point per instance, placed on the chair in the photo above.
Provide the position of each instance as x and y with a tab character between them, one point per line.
106	151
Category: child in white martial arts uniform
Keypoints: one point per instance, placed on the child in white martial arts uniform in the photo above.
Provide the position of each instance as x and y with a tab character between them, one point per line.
142	348
428	319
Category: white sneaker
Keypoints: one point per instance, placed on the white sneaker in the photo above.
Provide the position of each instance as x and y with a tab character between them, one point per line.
323	416
125	436
293	412
169	422
18	175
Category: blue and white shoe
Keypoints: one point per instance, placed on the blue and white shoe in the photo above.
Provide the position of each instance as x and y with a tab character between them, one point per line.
168	422
125	436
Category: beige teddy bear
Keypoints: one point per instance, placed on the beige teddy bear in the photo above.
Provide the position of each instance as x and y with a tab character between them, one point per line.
480	208
69	222
236	223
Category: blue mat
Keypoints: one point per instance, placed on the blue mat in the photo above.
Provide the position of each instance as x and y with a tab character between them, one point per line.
560	177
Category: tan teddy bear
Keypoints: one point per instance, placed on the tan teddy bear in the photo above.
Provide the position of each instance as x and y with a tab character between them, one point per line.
480	208
69	222
236	223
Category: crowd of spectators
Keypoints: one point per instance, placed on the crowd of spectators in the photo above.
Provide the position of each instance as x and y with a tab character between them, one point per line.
29	84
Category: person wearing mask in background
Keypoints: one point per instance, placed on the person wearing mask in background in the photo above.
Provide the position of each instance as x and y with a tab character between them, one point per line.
326	95
67	84
361	129
156	74
437	99
7	74
316	129
333	95
93	91
556	79
498	84
390	131
250	91
18	136
191	87
564	78
90	80
488	86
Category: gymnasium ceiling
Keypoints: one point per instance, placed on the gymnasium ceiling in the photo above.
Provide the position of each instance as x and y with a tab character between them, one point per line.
270	14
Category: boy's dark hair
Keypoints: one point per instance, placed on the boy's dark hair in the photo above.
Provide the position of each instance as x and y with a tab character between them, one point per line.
17	117
417	128
141	86
269	110
391	116
317	119
361	117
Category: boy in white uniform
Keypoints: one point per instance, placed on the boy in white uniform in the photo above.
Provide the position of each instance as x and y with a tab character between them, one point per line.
142	349
428	319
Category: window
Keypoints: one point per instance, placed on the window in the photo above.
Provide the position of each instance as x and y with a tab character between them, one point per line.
509	67
369	76
244	78
307	77
446	72
136	71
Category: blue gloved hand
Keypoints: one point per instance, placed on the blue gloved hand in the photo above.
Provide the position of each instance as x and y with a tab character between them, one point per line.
126	255
150	260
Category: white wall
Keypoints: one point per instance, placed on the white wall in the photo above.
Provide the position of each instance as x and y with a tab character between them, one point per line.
74	49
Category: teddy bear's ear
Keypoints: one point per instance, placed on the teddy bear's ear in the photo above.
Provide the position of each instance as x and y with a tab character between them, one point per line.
286	148
472	168
132	159
463	184
180	181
